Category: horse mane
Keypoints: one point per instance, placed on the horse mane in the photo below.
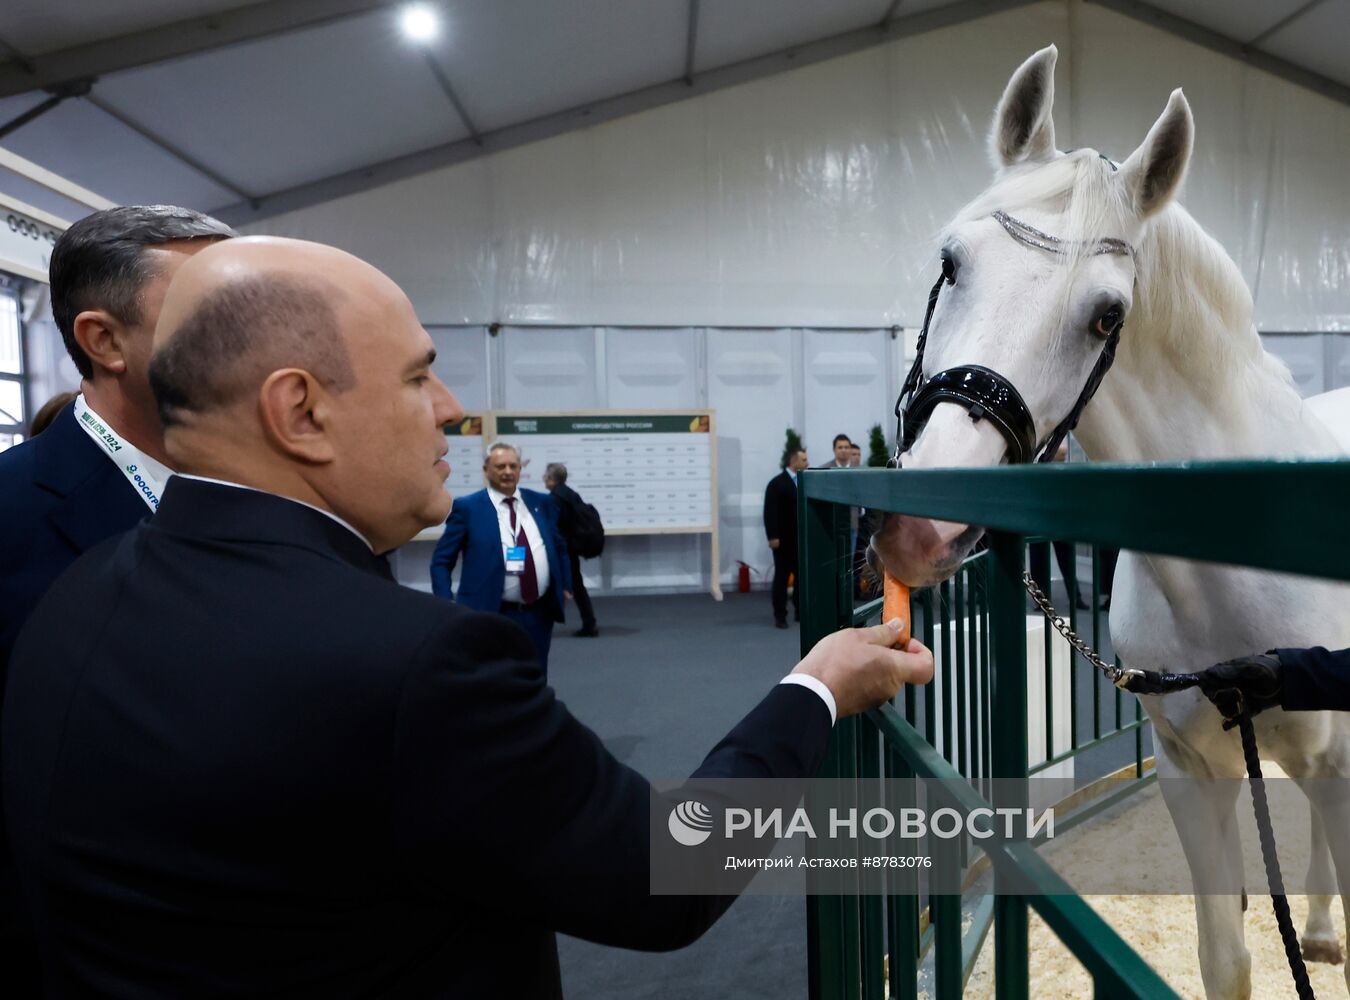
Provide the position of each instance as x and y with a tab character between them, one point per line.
1191	301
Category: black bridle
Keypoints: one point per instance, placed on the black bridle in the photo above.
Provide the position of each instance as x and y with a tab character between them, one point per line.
985	393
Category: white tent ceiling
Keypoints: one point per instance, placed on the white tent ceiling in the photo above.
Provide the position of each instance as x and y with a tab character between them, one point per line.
251	110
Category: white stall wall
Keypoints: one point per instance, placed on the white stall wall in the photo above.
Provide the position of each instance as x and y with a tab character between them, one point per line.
811	198
752	249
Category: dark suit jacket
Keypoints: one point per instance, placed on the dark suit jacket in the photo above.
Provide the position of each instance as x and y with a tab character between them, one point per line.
1314	679
240	761
780	511
567	500
59	495
472	529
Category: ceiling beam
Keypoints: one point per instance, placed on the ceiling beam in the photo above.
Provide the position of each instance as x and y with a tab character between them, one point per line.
411	164
58	95
1222	44
691	42
43	177
1285	21
155	139
452	97
172	41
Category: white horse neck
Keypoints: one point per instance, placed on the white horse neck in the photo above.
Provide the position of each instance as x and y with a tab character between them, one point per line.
1191	379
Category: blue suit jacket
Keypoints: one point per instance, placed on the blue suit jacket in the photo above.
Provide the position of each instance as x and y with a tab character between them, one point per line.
472	529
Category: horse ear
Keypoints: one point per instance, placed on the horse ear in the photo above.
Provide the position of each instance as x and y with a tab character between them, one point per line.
1155	170
1023	129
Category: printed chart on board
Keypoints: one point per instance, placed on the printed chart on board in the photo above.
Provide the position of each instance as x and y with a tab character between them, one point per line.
465	456
644	472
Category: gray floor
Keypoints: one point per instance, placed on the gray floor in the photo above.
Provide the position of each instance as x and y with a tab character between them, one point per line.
665	680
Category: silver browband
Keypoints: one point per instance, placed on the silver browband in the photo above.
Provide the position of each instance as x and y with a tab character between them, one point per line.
1033	237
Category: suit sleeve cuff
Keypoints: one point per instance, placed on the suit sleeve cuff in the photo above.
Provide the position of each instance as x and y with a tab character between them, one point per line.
818	686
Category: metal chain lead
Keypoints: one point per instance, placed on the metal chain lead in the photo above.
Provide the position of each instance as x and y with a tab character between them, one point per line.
1119	676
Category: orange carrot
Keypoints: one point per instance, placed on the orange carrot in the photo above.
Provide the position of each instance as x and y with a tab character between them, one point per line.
896	605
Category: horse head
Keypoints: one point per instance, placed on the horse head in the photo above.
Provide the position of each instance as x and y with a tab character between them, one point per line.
1038	282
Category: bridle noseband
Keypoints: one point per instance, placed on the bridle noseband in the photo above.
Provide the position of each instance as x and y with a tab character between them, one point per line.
985	393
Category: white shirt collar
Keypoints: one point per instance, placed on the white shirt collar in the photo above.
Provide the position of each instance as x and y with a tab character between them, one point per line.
326	513
792	474
498	496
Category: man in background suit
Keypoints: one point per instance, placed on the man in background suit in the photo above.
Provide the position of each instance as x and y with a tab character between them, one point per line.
780	525
515	560
570	507
240	760
99	466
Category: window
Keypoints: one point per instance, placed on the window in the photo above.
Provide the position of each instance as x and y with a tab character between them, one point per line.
13	411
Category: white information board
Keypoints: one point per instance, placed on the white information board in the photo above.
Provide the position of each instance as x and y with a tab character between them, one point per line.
643	472
648	472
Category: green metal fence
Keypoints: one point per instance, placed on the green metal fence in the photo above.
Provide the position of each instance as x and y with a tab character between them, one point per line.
1272	515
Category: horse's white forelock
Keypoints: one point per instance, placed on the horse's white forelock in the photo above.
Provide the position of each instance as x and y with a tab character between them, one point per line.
1191	302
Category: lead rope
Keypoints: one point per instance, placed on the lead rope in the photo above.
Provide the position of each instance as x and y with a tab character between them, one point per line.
1156	682
1277	897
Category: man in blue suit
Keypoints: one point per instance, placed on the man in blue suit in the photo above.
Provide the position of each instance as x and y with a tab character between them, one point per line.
515	559
100	467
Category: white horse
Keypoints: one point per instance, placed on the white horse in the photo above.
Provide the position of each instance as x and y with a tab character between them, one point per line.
1190	381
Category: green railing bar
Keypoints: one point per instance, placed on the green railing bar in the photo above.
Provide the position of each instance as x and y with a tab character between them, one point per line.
948	700
1093	941
872	905
961	668
1138	739
864	613
930	604
1200	510
1072	587
1096	643
945	910
902	886
1007	627
1075	751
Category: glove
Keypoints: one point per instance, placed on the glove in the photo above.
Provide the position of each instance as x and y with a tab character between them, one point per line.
1250	682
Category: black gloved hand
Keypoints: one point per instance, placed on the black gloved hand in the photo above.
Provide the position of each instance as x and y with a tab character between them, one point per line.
1253	682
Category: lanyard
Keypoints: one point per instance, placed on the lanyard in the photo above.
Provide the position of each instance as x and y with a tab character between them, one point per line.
145	474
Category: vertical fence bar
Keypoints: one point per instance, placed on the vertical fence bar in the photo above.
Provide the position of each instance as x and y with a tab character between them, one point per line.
979	693
930	689
1096	644
871	903
902	889
1071	586
945	910
852	904
1008	630
986	681
948	716
1048	652
831	963
961	668
1138	739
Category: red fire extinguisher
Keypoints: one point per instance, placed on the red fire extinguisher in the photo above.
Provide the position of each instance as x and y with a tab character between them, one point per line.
743	578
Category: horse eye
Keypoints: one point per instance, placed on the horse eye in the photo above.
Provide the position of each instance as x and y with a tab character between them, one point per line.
948	268
1108	322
